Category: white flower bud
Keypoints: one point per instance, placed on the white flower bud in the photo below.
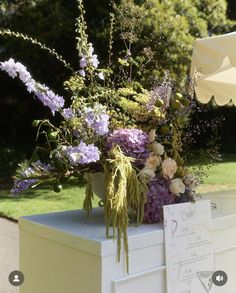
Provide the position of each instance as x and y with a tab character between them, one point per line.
147	173
151	135
177	186
157	148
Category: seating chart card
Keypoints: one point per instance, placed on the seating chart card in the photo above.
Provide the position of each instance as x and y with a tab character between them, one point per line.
188	247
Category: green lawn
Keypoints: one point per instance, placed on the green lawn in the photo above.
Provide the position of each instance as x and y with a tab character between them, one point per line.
220	177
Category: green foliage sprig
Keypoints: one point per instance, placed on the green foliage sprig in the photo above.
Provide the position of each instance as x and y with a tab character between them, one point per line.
81	27
9	33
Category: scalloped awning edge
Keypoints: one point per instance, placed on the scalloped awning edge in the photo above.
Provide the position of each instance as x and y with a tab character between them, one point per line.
204	96
209	53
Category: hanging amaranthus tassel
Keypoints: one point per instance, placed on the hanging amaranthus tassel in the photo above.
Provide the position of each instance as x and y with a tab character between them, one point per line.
87	205
124	194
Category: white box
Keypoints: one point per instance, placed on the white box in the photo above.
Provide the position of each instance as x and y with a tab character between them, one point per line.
68	252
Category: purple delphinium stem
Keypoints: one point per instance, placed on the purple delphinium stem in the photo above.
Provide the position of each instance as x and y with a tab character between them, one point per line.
82	154
42	92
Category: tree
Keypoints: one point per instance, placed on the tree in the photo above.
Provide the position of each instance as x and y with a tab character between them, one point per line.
164	30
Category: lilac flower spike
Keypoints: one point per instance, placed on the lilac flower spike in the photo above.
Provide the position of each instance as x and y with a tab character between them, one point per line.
87	59
10	67
82	73
22	185
83	62
94	61
24	182
82	154
51	100
42	92
162	92
97	119
68	113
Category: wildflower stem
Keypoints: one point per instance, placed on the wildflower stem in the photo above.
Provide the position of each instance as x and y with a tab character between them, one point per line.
10	33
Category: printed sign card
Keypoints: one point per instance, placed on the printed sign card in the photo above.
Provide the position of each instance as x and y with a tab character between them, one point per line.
189	248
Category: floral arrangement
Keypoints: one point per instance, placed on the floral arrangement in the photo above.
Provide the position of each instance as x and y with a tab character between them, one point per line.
115	126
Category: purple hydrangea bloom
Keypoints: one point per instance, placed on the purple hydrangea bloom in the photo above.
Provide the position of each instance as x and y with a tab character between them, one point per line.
158	196
82	154
133	142
21	185
97	119
42	92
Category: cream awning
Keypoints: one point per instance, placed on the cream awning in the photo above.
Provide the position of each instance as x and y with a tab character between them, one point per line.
213	69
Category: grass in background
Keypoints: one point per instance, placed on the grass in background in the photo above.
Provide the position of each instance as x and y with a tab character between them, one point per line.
41	200
221	177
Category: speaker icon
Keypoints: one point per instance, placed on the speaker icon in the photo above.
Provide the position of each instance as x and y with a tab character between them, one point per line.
219	278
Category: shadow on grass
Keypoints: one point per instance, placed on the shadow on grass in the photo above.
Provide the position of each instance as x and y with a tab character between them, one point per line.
33	194
70	183
42	192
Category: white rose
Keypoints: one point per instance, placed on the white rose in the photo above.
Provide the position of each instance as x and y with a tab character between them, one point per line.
153	161
169	167
147	173
157	148
177	186
152	135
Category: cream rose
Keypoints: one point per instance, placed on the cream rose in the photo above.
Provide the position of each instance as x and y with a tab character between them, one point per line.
169	167
151	135
153	161
177	186
157	148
